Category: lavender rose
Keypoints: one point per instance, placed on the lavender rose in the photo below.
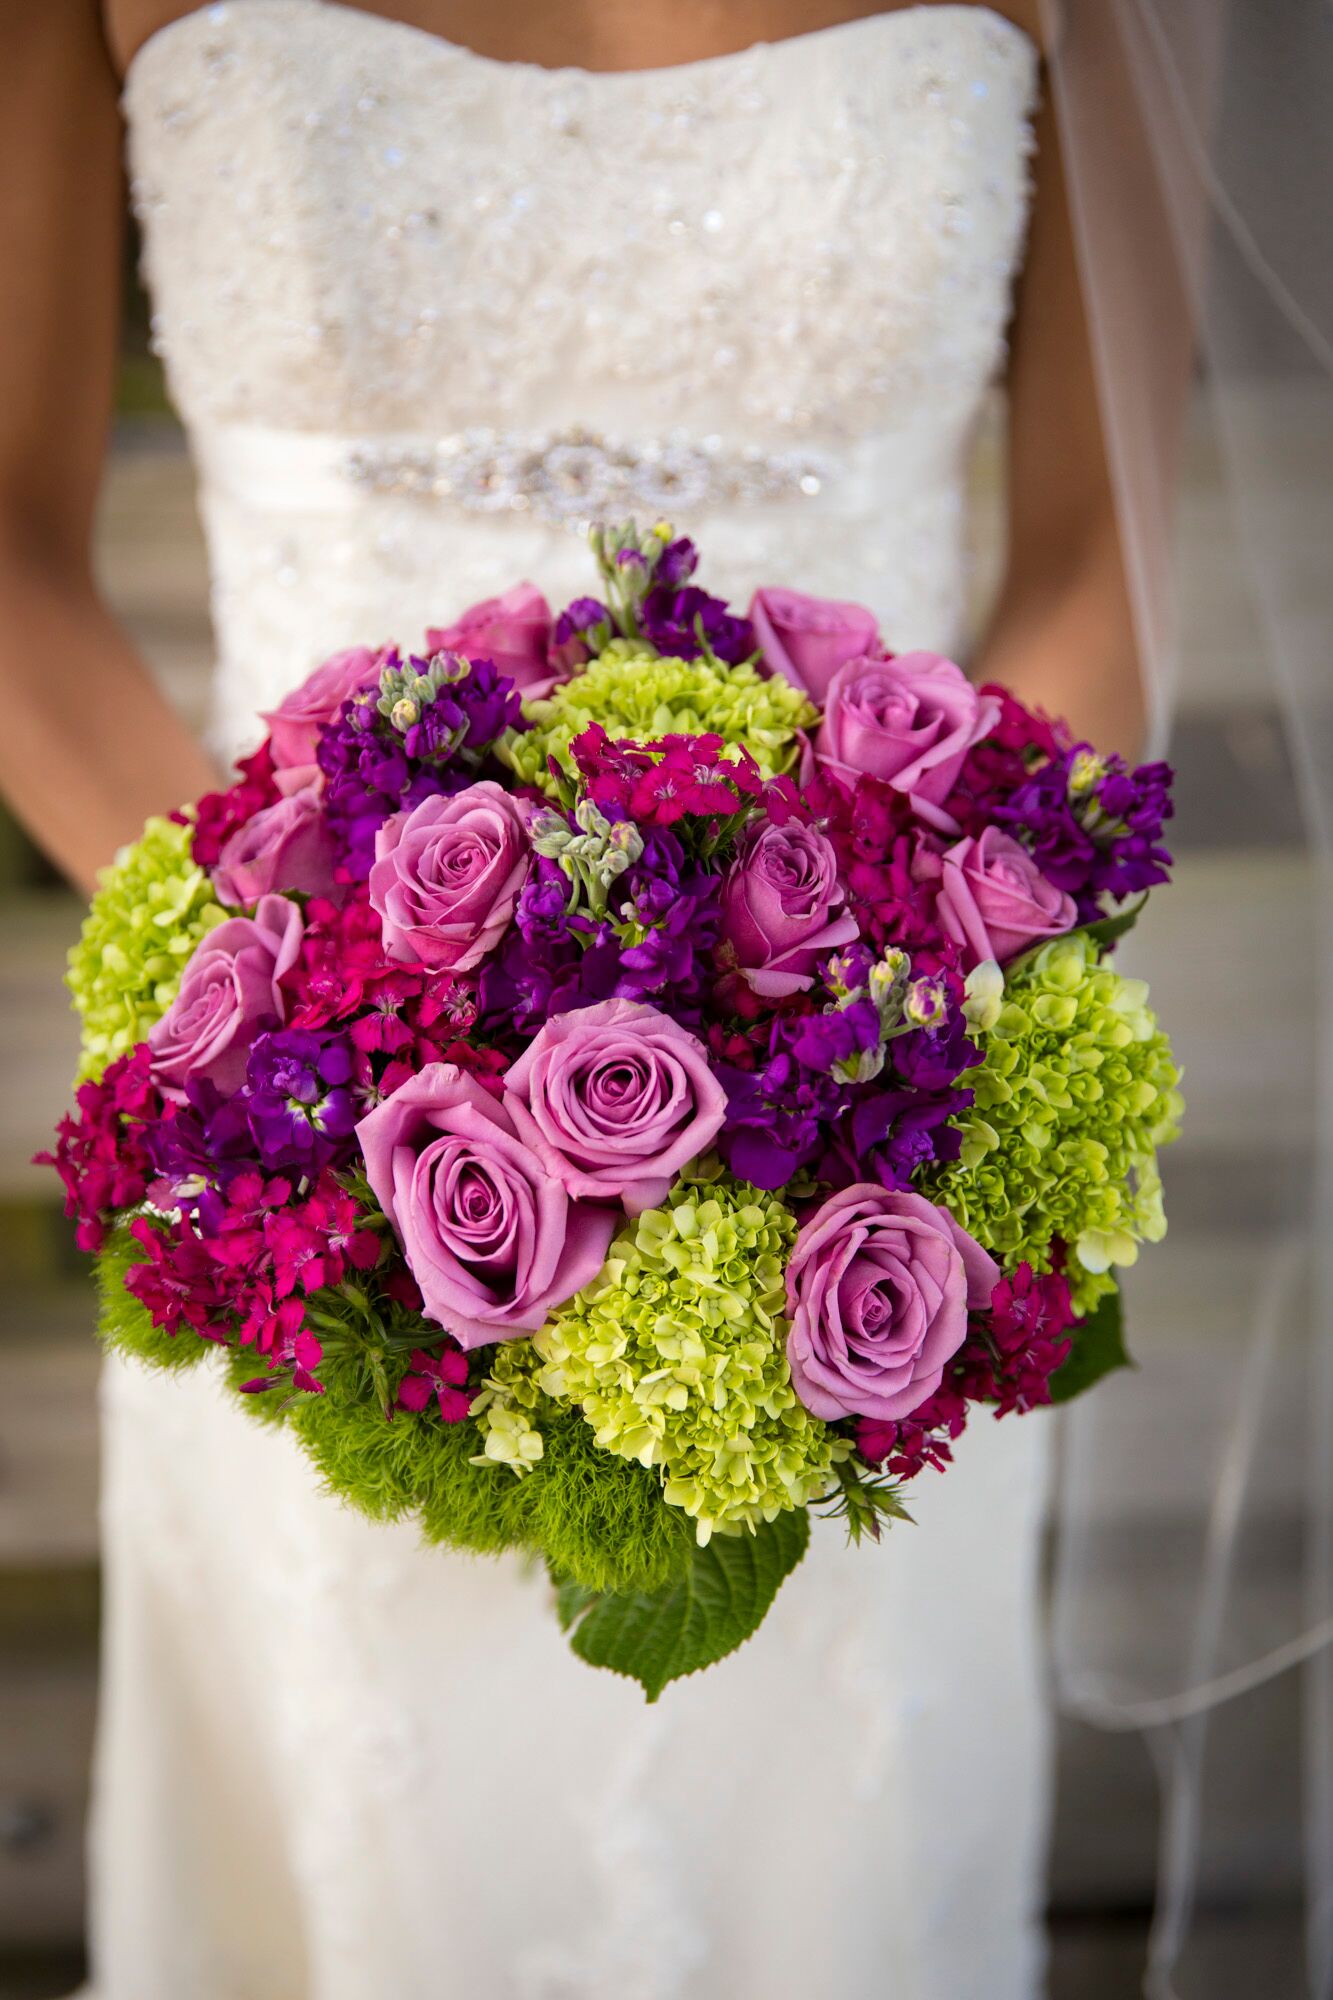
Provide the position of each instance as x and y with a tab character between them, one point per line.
878	1289
616	1098
231	985
994	900
296	722
513	631
447	875
781	908
285	846
491	1237
910	720
806	639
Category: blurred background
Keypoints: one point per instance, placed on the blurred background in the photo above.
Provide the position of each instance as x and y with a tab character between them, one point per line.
1238	841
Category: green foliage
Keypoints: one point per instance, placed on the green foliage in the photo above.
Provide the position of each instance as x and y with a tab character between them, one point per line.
1098	1349
865	1500
676	1355
1109	930
716	1604
635	693
599	1518
1075	1092
594	1517
125	1324
151	909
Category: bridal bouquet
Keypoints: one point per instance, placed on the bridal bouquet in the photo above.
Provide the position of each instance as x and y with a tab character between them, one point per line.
615	1084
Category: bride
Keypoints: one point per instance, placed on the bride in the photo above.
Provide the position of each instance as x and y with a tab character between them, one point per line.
430	290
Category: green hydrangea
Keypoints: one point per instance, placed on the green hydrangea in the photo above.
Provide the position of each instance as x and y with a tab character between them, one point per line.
1076	1091
635	693
152	907
676	1355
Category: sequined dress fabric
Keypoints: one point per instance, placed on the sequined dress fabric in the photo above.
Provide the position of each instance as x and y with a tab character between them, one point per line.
421	313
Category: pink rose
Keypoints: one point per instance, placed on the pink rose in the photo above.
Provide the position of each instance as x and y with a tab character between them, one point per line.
285	846
781	908
910	721
491	1237
230	985
513	631
616	1098
296	722
994	900
878	1291
447	875
806	639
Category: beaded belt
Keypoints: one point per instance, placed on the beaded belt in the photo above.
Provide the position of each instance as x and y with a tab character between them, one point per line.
562	477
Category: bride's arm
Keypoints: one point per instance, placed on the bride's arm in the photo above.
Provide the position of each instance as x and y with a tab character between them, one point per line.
88	746
1062	636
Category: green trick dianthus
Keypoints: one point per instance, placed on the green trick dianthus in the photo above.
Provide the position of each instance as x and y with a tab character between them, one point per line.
152	907
599	1521
1075	1092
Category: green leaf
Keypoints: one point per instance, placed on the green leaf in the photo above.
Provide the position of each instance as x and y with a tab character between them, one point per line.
1098	1349
722	1598
572	1600
864	1499
1107	929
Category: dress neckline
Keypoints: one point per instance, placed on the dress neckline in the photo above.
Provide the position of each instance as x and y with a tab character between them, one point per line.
392	26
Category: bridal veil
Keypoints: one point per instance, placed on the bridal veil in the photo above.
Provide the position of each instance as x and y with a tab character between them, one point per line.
1194	1593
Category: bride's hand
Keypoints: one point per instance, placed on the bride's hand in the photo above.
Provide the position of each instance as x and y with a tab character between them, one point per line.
88	745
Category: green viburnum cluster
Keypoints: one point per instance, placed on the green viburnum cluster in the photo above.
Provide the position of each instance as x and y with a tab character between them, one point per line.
1076	1091
152	907
636	693
676	1355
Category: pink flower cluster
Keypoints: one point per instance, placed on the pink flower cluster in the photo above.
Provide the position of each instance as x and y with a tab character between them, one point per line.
675	778
102	1156
245	1280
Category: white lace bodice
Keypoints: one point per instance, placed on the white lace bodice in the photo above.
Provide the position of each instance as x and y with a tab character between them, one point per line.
422	310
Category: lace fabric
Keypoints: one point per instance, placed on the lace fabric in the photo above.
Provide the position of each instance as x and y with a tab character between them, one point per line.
335	1764
803	253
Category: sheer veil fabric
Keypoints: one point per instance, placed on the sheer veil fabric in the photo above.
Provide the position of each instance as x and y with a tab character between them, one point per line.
1195	1586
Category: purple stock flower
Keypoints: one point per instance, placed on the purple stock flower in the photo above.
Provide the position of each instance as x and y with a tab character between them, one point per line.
542	911
372	772
775	1117
582	629
821	1041
676	906
466	716
368	776
1093	826
299	1099
653	944
890	1133
669	619
677	563
802	1107
199	1150
930	1058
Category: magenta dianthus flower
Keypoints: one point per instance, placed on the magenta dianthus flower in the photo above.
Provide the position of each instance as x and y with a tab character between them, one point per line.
219	815
443	1376
103	1154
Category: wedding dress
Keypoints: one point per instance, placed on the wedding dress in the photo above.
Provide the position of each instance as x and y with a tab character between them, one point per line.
421	312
